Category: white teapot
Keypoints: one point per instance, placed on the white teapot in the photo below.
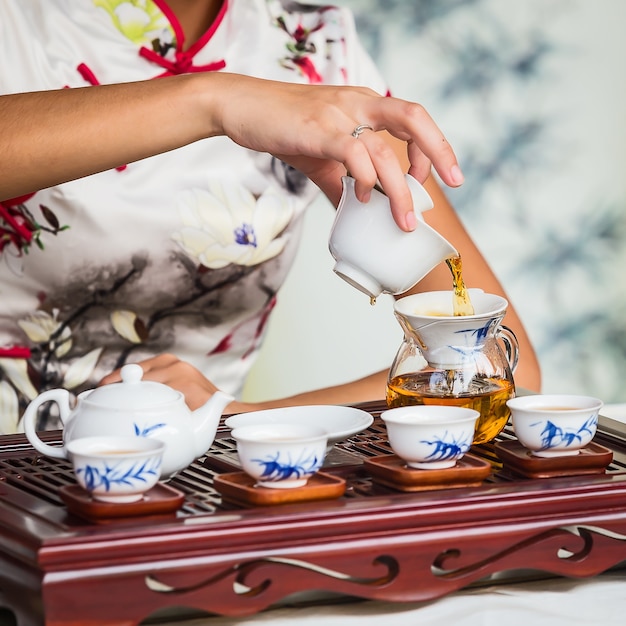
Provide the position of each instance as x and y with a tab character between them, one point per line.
133	407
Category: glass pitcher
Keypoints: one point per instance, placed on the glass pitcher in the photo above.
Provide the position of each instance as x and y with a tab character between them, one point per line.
465	360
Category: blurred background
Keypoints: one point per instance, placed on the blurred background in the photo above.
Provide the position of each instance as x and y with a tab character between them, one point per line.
532	95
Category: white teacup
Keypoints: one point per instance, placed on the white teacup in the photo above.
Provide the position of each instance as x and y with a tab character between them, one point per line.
280	456
372	253
554	425
430	436
116	469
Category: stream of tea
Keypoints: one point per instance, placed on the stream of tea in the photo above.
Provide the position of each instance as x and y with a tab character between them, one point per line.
461	304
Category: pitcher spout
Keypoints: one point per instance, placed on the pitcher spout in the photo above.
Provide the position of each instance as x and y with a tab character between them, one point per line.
206	419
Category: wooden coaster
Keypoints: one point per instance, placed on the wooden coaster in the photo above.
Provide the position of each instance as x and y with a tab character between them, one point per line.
391	471
160	500
592	459
240	488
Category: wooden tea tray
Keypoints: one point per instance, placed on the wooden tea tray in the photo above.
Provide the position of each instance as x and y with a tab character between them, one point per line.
239	488
593	459
160	500
392	471
372	542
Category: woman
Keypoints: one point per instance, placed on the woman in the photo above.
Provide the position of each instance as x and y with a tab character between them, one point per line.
181	254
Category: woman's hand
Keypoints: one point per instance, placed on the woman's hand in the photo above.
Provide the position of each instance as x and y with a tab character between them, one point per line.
182	376
311	128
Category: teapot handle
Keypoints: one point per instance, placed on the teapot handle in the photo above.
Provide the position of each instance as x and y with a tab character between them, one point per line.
511	345
62	398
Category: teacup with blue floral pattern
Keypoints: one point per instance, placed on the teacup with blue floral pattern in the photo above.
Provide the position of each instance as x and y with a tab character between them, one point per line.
281	455
116	469
550	425
430	436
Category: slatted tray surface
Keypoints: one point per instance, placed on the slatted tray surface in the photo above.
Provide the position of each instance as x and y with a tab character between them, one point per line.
372	542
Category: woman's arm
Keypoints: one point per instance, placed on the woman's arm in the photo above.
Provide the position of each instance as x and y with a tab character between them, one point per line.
43	134
197	389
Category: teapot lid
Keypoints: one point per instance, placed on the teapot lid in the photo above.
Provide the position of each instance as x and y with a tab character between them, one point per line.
132	392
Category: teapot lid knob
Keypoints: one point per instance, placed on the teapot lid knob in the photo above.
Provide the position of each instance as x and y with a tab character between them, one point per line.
131	373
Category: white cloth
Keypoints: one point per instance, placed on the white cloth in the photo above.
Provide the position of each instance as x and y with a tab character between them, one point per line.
182	252
615	411
552	602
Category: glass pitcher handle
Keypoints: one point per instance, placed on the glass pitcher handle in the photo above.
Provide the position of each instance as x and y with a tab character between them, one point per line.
511	345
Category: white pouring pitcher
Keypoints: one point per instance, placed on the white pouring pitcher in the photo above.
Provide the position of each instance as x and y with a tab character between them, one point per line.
373	254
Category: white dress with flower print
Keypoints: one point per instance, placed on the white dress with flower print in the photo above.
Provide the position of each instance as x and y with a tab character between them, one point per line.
182	252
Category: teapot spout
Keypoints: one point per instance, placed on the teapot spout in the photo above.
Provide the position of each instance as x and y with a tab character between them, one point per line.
206	419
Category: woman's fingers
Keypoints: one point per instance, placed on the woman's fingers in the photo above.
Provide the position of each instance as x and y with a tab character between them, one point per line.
412	123
390	174
426	146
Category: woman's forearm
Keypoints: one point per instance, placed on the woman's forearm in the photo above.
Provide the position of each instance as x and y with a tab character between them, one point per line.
50	137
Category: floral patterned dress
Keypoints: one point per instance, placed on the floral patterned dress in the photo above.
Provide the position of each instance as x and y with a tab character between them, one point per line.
183	252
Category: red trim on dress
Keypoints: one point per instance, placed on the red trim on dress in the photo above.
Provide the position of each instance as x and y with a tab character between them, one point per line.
18	200
15	352
173	20
182	65
19	234
87	74
184	58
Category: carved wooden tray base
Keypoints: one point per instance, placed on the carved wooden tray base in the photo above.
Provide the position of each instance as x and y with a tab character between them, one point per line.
392	471
593	459
160	500
239	488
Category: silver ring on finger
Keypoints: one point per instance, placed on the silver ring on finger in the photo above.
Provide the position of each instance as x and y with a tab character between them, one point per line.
356	133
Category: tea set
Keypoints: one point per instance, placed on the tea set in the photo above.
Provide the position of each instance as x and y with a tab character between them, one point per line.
450	386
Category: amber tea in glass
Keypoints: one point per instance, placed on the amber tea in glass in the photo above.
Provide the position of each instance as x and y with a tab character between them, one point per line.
487	396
